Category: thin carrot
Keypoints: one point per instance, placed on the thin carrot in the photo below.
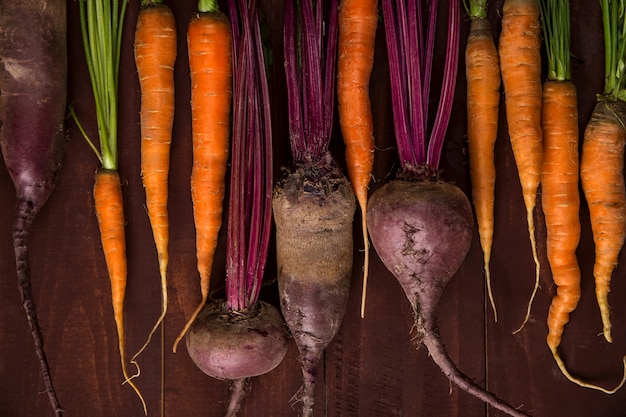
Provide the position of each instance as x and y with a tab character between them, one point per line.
602	160
210	52
520	66
101	29
155	55
107	194
482	71
358	20
559	176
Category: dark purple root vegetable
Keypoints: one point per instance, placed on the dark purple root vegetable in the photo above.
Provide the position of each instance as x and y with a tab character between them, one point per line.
313	211
236	346
422	231
33	80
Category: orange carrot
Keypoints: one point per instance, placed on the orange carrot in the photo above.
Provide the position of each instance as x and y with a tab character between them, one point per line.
209	42
155	54
357	32
520	66
559	177
602	178
602	160
560	201
483	102
107	193
101	36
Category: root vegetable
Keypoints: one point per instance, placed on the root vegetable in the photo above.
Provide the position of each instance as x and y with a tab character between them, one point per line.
313	203
33	83
421	226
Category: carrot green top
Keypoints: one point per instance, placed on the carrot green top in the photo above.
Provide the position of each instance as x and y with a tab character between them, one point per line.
476	9
101	23
614	22
145	3
209	6
555	23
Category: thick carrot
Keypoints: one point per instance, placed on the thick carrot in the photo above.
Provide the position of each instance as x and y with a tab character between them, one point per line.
602	178
155	55
601	174
520	66
559	176
357	32
602	160
482	70
210	51
107	193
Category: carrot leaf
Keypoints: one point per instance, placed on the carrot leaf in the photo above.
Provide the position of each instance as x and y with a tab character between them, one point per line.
614	22
555	23
101	24
476	9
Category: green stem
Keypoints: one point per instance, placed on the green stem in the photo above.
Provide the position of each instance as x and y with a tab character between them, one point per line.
476	9
101	28
614	23
209	6
555	23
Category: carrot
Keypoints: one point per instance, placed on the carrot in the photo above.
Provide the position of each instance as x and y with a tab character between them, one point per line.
520	66
155	54
482	70
107	194
602	163
357	32
101	28
209	41
559	176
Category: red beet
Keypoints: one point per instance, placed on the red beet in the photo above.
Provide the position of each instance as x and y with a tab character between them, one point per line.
314	254
33	81
422	231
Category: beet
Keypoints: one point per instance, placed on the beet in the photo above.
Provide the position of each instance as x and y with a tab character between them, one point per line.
422	231
33	84
313	211
237	345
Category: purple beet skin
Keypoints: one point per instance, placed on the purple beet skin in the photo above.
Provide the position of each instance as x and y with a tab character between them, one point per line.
33	84
422	231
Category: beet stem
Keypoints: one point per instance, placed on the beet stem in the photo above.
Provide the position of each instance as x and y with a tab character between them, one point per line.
25	214
238	390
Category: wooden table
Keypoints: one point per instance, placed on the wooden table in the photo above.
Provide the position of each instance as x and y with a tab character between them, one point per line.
372	367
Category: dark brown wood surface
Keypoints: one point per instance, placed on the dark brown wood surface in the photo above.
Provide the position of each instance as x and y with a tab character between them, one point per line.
372	367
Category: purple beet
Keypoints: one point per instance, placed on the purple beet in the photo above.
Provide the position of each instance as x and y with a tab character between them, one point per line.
237	345
33	84
314	254
422	231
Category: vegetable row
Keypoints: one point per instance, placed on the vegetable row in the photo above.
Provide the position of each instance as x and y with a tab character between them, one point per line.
420	225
